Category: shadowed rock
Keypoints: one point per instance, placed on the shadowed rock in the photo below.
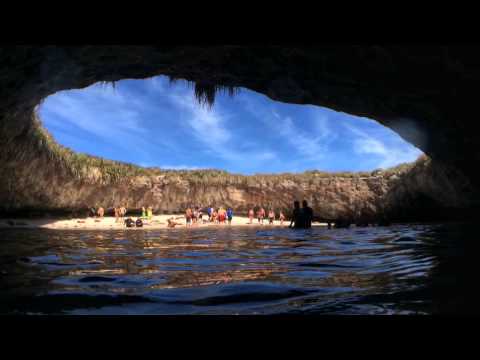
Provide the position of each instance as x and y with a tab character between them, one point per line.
427	94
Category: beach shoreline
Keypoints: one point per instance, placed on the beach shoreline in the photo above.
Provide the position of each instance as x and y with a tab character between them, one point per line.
108	223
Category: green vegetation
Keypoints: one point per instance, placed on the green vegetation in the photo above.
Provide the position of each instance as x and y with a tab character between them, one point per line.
80	166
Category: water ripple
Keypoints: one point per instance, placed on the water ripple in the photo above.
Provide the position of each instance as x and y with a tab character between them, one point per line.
384	270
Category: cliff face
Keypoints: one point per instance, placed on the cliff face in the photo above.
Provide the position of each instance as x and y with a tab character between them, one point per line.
66	182
427	94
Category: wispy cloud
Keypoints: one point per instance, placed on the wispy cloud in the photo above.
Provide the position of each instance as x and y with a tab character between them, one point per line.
108	115
209	126
151	122
312	147
310	143
388	155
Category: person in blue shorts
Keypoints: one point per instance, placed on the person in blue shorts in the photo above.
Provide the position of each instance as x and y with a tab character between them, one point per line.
229	215
209	212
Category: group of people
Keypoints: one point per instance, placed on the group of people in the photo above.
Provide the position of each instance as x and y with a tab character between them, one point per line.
120	213
301	217
96	212
99	212
261	214
216	216
223	215
147	215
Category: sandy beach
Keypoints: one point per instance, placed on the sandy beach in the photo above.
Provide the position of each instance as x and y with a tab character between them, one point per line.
107	223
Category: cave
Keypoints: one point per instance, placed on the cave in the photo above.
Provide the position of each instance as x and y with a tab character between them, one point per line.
427	88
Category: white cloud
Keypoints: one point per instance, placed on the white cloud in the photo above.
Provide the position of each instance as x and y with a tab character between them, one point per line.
391	154
312	146
108	114
123	118
209	126
388	149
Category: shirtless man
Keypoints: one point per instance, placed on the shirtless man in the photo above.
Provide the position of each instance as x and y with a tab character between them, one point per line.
188	216
122	212
271	216
100	212
251	214
282	217
195	215
261	215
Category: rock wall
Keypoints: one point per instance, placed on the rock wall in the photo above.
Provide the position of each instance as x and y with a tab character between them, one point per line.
38	183
427	94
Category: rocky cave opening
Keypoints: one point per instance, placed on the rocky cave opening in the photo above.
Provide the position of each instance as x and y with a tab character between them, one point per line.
156	123
396	86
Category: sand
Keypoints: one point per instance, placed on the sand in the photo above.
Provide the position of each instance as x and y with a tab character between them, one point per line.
107	223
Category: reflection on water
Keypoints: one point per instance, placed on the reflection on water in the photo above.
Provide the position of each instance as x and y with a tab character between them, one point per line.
403	269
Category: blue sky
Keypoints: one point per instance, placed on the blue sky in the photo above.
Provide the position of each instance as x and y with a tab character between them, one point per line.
154	123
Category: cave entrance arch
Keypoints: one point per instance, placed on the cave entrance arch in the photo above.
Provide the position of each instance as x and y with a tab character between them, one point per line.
433	87
154	123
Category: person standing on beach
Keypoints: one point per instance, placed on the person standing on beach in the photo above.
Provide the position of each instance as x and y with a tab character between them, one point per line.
271	216
188	216
221	215
251	214
209	213
100	212
261	215
230	215
281	217
144	213
195	215
123	212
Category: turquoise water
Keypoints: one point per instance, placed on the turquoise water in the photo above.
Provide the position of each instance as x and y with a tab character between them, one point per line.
402	269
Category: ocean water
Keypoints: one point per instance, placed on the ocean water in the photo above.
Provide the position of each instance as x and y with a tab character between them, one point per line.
402	269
